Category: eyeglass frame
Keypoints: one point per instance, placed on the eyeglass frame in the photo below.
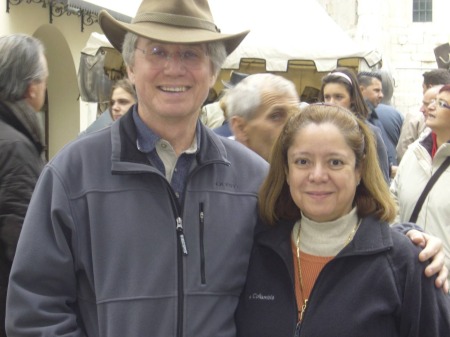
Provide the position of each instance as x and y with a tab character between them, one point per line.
164	59
440	103
443	104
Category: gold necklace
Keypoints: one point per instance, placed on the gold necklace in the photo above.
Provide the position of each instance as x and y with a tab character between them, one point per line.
305	300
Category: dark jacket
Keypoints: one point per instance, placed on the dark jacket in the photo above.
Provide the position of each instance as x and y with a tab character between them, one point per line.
381	152
374	287
103	230
386	125
20	165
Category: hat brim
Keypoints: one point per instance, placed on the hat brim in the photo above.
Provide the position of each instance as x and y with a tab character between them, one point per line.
115	32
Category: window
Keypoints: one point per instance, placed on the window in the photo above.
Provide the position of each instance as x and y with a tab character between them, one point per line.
422	10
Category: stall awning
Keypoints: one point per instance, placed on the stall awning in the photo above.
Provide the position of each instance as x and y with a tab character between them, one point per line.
89	7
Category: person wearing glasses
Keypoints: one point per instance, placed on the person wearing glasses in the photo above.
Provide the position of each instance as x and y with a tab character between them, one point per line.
419	163
414	123
144	228
416	128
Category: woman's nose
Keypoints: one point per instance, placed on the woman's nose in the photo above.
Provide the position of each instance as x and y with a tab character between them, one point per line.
318	173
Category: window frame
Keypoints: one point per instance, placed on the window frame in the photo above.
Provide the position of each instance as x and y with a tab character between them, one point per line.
422	11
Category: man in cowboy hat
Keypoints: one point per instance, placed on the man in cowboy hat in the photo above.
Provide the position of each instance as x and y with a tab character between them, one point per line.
160	245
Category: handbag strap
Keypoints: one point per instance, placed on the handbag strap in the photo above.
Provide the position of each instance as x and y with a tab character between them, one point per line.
426	190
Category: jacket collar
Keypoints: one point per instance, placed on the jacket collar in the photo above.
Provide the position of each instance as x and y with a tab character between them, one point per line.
373	236
427	144
21	116
125	150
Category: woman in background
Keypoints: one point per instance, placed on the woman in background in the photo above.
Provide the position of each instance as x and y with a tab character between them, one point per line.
419	163
340	87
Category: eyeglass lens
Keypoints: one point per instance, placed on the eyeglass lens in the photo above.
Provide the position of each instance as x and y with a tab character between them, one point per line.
190	57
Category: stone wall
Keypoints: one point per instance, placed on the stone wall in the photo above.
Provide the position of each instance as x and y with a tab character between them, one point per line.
407	47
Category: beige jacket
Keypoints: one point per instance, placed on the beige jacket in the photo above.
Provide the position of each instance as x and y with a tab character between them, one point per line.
413	127
413	174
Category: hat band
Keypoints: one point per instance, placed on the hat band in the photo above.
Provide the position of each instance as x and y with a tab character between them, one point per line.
176	20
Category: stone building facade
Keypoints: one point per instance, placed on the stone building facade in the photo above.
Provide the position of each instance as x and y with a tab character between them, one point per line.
407	46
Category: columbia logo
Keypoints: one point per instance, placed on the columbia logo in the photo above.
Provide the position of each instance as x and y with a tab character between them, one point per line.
261	297
228	185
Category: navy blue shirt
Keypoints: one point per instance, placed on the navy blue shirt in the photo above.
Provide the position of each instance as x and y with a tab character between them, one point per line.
147	140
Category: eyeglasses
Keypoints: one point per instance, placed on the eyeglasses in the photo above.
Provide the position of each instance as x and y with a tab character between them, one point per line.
442	104
158	56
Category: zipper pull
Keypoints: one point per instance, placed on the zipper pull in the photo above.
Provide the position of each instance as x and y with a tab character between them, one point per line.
305	304
181	236
201	214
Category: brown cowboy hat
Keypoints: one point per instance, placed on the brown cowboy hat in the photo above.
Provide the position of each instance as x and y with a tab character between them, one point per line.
170	21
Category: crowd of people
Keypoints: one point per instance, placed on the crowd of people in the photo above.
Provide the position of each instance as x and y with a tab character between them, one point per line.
257	216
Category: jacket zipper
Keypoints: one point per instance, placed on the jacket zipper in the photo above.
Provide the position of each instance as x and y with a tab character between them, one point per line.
202	244
298	325
181	251
180	233
313	290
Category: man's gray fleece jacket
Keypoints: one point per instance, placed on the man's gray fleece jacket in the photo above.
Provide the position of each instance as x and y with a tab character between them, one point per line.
101	252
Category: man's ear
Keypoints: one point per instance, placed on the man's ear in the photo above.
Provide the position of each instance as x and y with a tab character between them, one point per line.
362	88
213	81
238	128
31	91
130	72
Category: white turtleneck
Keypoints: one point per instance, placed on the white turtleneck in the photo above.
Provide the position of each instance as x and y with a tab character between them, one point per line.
325	238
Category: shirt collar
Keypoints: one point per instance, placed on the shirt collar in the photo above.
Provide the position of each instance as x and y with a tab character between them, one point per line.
372	111
147	139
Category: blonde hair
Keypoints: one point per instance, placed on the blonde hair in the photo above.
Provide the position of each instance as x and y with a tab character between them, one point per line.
372	195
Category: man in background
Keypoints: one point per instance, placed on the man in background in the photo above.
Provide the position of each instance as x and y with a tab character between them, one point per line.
23	84
388	120
257	109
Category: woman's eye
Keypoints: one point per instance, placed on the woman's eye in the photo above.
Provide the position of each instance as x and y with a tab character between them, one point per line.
336	162
301	162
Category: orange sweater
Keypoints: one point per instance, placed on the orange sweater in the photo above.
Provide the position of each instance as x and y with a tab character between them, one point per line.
311	266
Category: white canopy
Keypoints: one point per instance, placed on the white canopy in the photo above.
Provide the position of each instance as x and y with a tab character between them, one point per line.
94	43
281	31
286	30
